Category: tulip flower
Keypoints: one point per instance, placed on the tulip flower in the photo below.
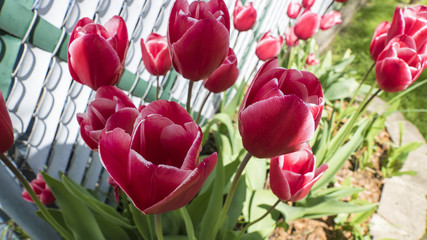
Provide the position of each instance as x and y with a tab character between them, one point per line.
307	25
330	19
155	54
400	64
268	46
312	60
198	37
293	10
96	54
379	40
6	128
41	189
244	16
225	76
280	111
157	165
307	3
111	108
292	175
291	38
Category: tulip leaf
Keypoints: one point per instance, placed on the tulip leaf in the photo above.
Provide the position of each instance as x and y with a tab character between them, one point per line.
56	214
256	173
110	230
77	216
222	119
236	206
144	223
232	106
94	204
338	192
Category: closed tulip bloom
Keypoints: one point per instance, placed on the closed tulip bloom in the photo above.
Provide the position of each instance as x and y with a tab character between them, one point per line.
157	165
6	128
41	189
400	64
307	25
292	175
291	38
280	111
330	19
293	10
198	37
268	46
307	3
312	60
111	108
244	16
155	54
96	54
224	76
379	40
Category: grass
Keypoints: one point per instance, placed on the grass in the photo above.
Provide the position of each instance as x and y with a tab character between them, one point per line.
357	36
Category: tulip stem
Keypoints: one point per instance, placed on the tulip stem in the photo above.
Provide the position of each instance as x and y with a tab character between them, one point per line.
361	83
33	196
235	42
203	104
188	224
230	194
157	88
190	89
258	219
158	224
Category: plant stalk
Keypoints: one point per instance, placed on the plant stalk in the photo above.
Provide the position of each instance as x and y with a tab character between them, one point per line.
158	224
361	83
190	89
203	104
157	88
188	223
235	43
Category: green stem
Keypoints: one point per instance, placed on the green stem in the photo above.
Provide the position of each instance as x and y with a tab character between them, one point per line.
157	88
158	224
188	223
33	196
190	89
361	83
258	219
230	194
201	108
237	38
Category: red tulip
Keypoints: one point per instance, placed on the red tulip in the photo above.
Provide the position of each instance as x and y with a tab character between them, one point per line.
198	37
111	108
155	54
293	10
379	40
280	111
96	54
307	3
330	19
158	166
268	46
307	25
225	76
244	16
6	128
400	64
312	60
292	175
41	189
291	38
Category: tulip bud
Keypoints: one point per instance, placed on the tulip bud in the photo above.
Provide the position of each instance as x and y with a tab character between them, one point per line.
330	19
280	111
292	175
307	3
225	76
198	37
307	25
268	46
41	189
155	54
96	54
312	60
244	16
291	38
293	10
6	128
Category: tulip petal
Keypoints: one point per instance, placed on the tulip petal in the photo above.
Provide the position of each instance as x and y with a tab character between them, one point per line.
114	93
306	189
278	183
124	119
393	75
171	110
397	26
116	27
7	138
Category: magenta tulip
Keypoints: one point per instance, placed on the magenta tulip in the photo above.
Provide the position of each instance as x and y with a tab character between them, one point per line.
379	40
244	16
292	175
312	60
96	54
280	111
157	165
198	37
291	38
6	128
268	46
155	54
330	19
111	108
225	76
307	25
400	64
307	3
293	10
41	189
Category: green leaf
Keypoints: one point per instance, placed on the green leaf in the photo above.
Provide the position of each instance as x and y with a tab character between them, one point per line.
56	213
110	230
232	106
256	173
337	192
78	218
236	205
144	223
